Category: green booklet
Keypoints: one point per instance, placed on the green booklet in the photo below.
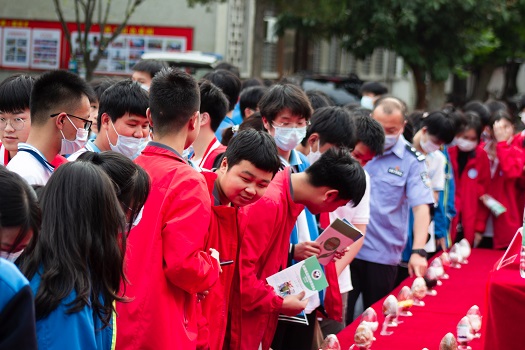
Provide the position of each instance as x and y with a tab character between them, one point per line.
306	275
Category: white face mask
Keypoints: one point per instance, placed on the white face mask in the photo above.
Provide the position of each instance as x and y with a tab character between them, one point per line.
10	256
126	145
367	102
522	117
390	141
70	147
314	156
288	138
428	146
466	145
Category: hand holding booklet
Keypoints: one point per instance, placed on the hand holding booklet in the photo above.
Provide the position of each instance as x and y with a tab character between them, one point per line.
335	238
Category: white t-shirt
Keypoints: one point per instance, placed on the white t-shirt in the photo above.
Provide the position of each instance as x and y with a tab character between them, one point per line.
29	167
3	155
357	215
435	162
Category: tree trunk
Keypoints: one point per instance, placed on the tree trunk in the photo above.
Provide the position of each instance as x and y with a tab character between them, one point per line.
458	96
436	96
258	38
421	88
483	75
511	75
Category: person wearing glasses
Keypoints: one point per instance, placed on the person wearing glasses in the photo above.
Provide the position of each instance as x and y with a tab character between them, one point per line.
59	125
122	123
15	120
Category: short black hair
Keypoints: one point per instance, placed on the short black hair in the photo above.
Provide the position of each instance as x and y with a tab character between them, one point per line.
123	97
496	105
374	87
257	147
213	102
499	115
229	67
229	83
369	132
334	125
173	98
482	111
15	93
152	67
390	104
100	85
55	90
473	121
319	99
250	98
254	122
251	82
285	96
443	124
337	170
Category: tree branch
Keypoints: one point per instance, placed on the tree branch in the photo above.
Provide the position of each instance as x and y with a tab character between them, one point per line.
63	23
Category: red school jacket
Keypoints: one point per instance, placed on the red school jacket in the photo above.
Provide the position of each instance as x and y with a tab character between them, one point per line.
165	262
265	229
504	188
472	184
224	237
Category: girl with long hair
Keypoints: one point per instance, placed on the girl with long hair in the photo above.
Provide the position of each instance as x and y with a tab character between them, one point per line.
76	264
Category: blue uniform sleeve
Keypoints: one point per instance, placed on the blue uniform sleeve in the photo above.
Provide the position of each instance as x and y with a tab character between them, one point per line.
418	185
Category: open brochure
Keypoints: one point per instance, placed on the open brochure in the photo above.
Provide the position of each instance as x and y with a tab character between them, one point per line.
306	275
335	238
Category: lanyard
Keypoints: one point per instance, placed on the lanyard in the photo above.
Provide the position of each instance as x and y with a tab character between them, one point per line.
38	157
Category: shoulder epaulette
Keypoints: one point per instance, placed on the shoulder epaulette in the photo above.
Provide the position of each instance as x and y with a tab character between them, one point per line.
412	150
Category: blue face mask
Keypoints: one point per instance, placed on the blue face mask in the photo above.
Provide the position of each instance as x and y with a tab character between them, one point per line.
390	141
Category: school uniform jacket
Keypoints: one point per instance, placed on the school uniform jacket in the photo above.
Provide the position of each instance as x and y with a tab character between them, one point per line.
224	237
165	262
265	228
504	188
470	186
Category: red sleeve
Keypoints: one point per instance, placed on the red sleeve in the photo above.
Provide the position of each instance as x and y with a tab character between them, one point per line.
511	160
482	212
183	237
257	225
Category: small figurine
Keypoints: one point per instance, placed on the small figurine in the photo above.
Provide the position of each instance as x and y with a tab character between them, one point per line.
437	265
464	246
419	290
456	257
448	342
474	316
369	317
431	281
363	338
330	343
445	260
465	334
390	310
405	301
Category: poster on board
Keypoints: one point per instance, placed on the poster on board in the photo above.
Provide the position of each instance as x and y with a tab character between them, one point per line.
45	49
16	48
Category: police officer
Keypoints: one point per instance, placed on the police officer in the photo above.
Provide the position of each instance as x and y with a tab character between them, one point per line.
399	181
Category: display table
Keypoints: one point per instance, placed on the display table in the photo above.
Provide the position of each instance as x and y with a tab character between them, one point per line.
504	323
441	314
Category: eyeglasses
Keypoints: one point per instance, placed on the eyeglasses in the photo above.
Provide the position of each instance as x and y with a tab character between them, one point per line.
87	123
292	125
16	123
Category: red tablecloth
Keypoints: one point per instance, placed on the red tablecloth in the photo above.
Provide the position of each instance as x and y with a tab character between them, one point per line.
441	314
504	323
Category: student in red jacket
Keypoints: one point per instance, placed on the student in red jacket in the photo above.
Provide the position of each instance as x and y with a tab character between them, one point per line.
247	168
166	265
472	180
506	167
265	228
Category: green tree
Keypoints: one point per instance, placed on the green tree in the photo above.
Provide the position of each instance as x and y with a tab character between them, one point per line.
88	13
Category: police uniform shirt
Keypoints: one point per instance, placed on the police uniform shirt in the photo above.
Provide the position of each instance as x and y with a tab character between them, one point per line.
398	181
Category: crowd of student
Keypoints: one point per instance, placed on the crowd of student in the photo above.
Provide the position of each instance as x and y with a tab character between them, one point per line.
148	213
